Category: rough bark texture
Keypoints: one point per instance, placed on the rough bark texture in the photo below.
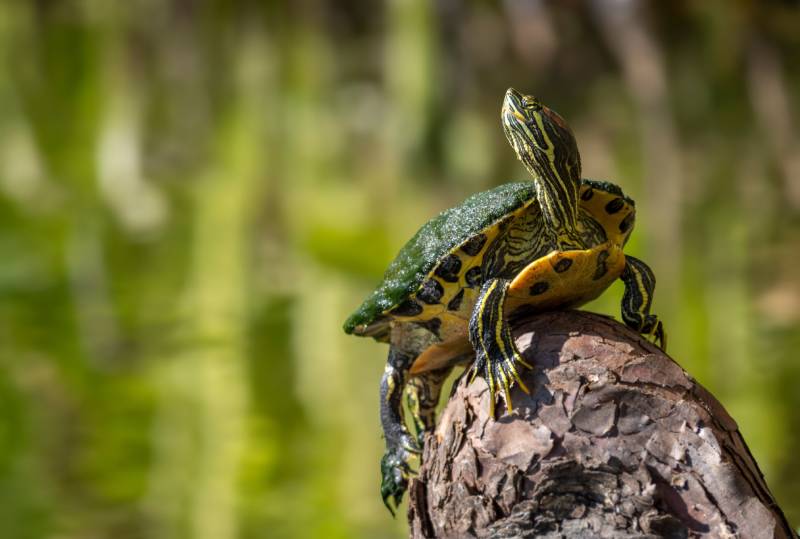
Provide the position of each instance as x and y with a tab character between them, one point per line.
615	440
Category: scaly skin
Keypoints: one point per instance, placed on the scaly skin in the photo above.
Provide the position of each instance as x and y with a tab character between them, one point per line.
640	283
400	445
422	395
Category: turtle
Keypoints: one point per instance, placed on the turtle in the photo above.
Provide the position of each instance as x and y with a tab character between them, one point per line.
552	243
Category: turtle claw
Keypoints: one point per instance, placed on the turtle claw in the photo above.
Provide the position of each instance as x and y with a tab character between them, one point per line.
420	440
501	375
657	333
410	445
653	330
395	473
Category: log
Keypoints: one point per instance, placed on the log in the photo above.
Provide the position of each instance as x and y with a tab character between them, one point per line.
614	440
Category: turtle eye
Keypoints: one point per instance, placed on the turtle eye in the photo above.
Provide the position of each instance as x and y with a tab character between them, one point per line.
530	102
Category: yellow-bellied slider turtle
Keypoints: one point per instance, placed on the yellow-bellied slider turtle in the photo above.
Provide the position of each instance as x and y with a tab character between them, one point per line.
549	244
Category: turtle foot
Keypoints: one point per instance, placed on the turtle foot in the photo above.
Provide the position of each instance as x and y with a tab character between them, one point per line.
653	329
496	356
395	474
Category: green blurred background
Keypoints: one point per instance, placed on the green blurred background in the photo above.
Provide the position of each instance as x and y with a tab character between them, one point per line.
194	195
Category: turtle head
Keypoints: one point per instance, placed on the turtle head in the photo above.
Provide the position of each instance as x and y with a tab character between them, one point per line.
540	137
547	147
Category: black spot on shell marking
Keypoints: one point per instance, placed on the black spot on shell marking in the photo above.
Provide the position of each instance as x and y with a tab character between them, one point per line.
430	292
448	268
602	268
539	288
626	223
474	245
473	276
588	194
615	205
562	265
455	303
408	308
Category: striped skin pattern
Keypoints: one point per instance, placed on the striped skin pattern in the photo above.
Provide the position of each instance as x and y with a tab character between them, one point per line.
637	298
553	243
546	146
497	358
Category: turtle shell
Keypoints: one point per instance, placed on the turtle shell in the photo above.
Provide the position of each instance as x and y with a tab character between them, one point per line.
434	241
435	277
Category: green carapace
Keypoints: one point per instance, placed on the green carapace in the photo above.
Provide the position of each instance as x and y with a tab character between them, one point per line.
552	243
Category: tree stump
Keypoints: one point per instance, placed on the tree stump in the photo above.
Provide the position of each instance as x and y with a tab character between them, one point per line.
615	440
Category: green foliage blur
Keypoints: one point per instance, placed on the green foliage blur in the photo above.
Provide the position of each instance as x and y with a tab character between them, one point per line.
195	194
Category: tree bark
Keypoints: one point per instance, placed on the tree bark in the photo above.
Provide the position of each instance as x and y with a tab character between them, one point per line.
615	440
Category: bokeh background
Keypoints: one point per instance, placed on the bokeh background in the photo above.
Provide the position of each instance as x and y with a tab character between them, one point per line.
194	195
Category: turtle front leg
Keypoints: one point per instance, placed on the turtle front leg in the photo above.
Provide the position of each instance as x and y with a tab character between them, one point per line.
400	445
640	283
422	396
496	356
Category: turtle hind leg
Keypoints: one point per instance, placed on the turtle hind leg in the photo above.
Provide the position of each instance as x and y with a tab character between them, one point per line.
422	396
400	445
640	283
496	356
